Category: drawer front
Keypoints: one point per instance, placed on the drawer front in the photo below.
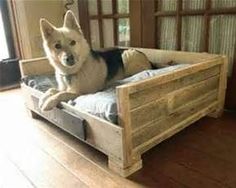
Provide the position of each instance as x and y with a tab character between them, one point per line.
67	121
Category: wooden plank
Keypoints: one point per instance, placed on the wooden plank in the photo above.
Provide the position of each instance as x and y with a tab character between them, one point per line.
200	162
219	137
160	125
185	95
100	23
101	134
212	11
152	177
110	16
206	26
36	66
158	24
178	57
23	33
174	123
170	76
222	87
15	31
124	121
148	112
185	176
115	23
84	19
148	32
179	24
170	103
162	88
135	23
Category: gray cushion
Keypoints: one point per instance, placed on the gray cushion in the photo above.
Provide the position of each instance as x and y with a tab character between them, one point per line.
41	82
103	104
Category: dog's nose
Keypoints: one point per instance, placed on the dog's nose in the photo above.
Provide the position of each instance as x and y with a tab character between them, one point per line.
70	60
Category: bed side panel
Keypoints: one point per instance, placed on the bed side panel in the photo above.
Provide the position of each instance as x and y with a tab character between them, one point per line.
100	134
37	66
158	110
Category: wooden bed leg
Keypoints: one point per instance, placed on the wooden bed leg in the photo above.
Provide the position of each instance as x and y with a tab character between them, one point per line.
217	113
122	170
33	114
222	89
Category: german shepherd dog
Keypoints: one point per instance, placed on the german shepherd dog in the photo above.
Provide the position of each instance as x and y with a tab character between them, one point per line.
79	69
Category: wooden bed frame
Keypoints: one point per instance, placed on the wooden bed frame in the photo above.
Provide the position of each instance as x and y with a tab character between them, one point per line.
149	111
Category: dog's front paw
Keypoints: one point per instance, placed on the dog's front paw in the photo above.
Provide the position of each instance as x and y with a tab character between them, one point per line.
49	93
49	104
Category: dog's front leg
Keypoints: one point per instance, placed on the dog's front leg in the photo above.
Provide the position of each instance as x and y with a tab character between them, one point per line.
50	92
54	100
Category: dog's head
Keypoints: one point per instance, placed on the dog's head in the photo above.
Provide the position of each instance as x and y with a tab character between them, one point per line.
66	46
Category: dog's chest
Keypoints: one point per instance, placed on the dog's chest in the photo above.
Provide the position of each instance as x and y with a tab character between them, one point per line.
67	79
65	82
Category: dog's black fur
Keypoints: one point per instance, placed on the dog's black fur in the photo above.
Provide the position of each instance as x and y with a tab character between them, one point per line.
113	60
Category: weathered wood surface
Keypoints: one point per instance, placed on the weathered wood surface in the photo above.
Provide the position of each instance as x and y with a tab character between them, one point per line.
100	134
160	56
166	123
171	102
222	87
37	66
131	162
161	89
170	76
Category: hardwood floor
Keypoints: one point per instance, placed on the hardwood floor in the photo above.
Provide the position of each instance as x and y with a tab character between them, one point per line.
35	153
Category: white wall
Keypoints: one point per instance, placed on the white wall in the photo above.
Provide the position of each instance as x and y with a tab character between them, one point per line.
28	14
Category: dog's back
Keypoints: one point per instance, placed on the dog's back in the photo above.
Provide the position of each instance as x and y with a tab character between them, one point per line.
127	61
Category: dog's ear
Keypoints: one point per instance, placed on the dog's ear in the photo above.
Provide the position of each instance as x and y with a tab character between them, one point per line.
71	22
46	28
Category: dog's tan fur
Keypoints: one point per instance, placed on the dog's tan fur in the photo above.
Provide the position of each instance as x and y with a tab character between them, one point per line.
88	74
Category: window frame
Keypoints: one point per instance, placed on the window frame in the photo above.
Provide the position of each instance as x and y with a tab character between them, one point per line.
115	16
207	13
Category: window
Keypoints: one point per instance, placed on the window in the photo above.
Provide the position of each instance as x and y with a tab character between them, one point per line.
4	54
108	22
200	26
7	46
9	68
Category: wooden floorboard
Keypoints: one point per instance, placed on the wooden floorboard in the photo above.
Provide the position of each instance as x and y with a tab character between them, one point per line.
35	153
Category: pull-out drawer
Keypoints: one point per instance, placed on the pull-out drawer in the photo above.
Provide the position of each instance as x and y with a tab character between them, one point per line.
63	119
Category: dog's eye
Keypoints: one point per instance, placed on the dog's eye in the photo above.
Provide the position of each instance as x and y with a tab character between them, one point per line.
72	43
58	46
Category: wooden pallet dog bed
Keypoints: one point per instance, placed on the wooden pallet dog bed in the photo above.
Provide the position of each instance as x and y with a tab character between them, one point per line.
149	111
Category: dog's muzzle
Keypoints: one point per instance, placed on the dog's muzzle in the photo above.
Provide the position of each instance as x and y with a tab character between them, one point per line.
69	60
